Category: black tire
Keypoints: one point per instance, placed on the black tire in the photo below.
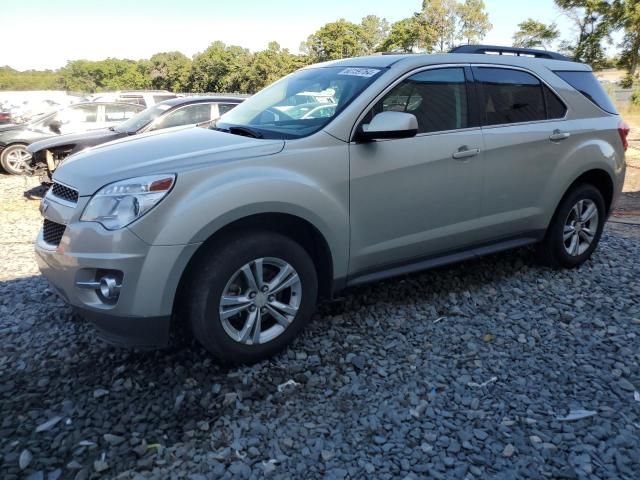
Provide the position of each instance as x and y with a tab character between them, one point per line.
6	162
218	265
551	250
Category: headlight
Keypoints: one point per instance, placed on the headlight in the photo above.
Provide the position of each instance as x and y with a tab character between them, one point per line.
118	204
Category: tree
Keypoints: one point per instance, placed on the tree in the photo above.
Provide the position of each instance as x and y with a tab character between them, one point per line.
336	40
406	36
169	71
375	31
218	68
532	33
625	14
11	79
593	22
270	65
439	16
473	21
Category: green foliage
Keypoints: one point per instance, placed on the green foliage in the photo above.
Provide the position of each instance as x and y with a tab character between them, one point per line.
439	17
594	22
11	79
219	68
103	75
627	82
374	32
170	71
473	21
269	65
635	98
532	33
336	40
406	36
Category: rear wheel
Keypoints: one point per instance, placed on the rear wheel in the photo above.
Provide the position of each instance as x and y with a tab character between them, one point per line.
576	228
15	159
251	296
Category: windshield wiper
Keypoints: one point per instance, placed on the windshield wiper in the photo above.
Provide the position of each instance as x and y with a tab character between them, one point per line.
240	130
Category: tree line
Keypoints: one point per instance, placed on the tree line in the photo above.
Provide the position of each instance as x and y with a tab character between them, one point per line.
436	27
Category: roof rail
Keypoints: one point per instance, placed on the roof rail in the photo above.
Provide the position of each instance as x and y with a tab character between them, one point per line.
498	50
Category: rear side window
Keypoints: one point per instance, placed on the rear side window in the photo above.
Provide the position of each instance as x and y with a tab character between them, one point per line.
555	107
514	96
510	96
587	84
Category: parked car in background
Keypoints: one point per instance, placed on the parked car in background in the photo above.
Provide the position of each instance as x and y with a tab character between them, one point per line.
146	98
47	154
312	110
5	118
238	230
80	117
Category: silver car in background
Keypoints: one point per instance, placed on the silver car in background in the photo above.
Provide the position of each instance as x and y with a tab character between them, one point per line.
239	229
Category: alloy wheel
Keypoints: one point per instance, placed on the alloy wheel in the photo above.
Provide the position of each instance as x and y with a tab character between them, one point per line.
260	301
17	159
580	227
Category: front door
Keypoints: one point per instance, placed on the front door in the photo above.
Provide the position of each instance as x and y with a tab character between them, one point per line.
417	197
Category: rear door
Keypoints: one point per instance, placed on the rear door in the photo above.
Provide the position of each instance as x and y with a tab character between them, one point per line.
420	196
525	135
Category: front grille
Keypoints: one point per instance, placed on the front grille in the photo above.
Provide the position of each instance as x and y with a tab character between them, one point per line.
52	232
65	193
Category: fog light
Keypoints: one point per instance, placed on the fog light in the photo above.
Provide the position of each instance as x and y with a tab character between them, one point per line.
109	287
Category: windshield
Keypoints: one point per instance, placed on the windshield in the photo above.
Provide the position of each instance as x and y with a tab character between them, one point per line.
273	112
141	119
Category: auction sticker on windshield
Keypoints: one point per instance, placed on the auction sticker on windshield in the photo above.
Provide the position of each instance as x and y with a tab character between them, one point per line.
359	72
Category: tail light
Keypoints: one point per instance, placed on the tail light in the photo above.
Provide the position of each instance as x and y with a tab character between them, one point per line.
623	130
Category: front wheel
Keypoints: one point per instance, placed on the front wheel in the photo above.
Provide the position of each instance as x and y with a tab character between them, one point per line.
575	229
15	159
251	296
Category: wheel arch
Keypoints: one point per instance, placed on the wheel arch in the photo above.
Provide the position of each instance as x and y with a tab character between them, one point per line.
599	178
295	227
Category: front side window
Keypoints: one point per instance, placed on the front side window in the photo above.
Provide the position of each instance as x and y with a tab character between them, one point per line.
142	119
266	114
437	98
510	96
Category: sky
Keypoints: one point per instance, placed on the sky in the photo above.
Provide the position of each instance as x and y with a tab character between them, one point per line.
48	33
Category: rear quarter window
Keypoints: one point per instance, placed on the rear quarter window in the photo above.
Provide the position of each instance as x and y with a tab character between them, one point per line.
587	84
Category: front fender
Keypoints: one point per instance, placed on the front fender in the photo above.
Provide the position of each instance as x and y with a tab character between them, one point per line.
204	204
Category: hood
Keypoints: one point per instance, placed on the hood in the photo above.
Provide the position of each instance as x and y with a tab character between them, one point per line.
84	139
163	151
23	135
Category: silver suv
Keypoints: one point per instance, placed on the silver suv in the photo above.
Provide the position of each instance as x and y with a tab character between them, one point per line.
238	229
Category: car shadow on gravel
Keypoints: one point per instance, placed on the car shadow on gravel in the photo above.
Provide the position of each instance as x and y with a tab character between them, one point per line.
391	377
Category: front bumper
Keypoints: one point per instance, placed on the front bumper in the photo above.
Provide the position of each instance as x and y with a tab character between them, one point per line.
150	276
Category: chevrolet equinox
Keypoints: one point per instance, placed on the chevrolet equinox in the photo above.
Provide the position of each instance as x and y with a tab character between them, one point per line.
237	229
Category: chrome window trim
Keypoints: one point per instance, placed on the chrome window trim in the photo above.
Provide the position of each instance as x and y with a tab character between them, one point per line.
542	81
400	80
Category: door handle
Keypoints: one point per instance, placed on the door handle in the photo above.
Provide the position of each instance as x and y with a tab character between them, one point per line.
465	152
557	136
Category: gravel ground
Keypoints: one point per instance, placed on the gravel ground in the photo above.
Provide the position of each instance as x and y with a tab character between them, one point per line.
468	372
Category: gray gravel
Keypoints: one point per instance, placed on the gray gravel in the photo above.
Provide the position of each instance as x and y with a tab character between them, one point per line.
479	370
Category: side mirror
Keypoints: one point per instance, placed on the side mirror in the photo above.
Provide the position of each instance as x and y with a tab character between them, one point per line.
387	125
55	125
